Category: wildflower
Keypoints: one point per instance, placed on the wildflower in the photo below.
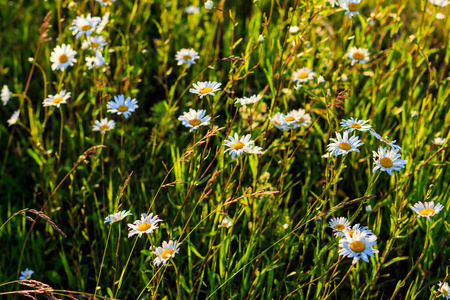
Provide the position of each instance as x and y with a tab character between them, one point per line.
278	121
82	25
63	57
118	216
25	275
147	224
251	100
186	56
358	55
303	75
440	3
94	42
226	223
388	160
192	10
386	140
351	6
300	116
252	149
104	125
339	224
122	106
209	5
105	2
427	209
166	252
95	61
439	141
261	39
5	94
444	289
333	2
57	100
205	88
344	145
358	246
103	23
237	145
194	119
14	118
353	229
286	226
355	124
293	29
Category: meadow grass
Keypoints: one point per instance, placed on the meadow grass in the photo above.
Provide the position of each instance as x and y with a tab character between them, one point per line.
60	179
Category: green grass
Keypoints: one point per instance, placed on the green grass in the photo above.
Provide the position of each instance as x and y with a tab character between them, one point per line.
290	184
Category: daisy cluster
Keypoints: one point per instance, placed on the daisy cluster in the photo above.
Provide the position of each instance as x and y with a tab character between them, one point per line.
291	120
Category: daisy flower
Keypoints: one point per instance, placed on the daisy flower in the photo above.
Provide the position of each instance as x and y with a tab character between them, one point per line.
237	145
63	57
166	252
444	289
14	118
122	106
358	246
25	275
439	141
355	124
186	56
247	100
105	2
334	2
339	224
103	23
118	216
94	42
82	25
192	10
303	75
278	121
344	145
147	224
353	229
351	6
205	88
388	160
427	209
194	119
252	149
301	118
440	3
385	140
358	55
226	223
57	100
5	94
104	125
95	61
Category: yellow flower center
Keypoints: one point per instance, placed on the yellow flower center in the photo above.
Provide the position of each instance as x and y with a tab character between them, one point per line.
302	75
355	125
95	44
289	119
427	211
205	90
187	57
352	7
357	246
63	58
27	276
238	146
358	56
104	127
300	121
276	123
122	108
144	227
386	140
57	99
167	254
195	122
225	224
386	162
351	232
339	227
345	146
445	292
86	27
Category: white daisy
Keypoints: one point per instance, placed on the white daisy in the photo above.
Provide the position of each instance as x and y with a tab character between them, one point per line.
105	2
439	141
25	275
104	125
351	6
57	100
303	75
205	88
339	224
386	141
226	223
95	61
358	55
63	57
103	23
186	56
14	118
249	100
147	224
252	149
82	25
388	160
194	119
118	216
122	106
444	289
353	229
5	94
358	246
440	3
192	10
427	209
237	145
355	124
301	118
94	42
343	145
334	2
166	252
278	121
